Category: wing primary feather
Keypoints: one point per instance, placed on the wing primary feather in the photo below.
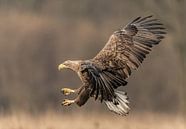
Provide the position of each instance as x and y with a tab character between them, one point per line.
122	73
144	18
151	24
108	88
97	90
139	51
160	37
93	80
138	55
155	28
140	46
93	86
95	83
105	92
135	20
116	79
128	69
158	32
143	42
132	59
148	40
101	90
149	21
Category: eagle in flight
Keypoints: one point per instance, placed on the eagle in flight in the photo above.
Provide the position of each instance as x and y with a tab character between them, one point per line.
125	51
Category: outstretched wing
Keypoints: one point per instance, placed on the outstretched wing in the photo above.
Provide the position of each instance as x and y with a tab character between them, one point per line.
127	48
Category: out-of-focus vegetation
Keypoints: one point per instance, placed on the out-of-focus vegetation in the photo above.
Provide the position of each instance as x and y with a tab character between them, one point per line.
51	120
37	35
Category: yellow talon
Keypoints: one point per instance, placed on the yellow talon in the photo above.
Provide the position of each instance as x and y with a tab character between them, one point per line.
67	102
67	91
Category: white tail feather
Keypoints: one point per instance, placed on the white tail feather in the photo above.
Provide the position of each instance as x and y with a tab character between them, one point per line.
121	107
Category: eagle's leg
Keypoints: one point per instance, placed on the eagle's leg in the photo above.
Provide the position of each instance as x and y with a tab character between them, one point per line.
83	96
67	91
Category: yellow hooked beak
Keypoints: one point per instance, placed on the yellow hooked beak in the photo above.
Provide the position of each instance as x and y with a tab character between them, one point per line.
62	66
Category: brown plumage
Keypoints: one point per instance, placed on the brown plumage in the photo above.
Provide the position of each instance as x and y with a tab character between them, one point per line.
109	69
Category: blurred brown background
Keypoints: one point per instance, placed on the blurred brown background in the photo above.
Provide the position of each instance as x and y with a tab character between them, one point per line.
37	35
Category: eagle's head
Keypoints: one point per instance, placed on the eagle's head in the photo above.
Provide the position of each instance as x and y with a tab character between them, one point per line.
73	65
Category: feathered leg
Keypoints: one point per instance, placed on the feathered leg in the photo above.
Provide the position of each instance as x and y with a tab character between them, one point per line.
83	96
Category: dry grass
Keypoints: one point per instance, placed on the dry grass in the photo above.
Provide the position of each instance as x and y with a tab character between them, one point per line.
52	120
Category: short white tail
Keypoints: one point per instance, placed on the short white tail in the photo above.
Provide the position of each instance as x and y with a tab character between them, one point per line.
120	103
